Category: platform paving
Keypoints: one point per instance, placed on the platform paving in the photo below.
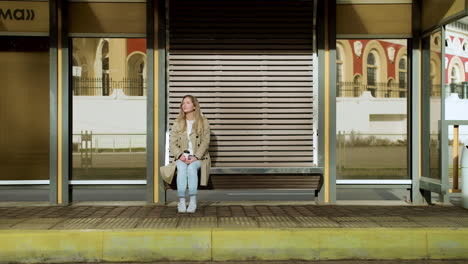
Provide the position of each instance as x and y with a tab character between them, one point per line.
304	262
231	216
227	232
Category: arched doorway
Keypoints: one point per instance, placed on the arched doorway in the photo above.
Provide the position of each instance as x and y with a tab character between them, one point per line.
136	72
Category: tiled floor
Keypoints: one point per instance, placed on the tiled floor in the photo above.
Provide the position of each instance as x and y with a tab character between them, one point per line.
232	216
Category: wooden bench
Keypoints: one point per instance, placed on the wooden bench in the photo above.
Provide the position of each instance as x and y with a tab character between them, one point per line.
244	178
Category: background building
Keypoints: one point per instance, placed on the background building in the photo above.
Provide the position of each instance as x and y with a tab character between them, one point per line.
298	98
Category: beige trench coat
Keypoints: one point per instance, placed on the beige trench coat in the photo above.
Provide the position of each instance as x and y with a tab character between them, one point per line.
178	142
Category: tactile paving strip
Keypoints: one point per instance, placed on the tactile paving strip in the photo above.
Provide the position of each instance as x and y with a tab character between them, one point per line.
463	221
440	224
240	222
38	223
6	223
118	223
358	224
387	219
78	223
399	224
158	223
276	221
349	219
191	222
424	218
309	221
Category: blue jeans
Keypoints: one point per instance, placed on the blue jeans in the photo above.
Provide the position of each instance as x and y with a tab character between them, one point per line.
187	173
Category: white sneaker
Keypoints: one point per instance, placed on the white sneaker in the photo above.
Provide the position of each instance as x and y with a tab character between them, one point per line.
191	208
181	208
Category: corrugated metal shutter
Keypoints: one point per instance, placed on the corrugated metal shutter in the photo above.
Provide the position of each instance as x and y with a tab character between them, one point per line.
250	63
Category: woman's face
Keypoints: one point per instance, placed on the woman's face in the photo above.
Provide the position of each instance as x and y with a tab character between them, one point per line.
187	105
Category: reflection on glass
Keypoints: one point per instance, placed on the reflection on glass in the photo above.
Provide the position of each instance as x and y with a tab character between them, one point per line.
456	57
24	108
372	109
456	83
435	104
109	109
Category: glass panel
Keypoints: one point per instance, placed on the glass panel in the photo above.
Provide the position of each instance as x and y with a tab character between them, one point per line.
456	57
462	141
435	105
372	111
456	87
24	108
109	109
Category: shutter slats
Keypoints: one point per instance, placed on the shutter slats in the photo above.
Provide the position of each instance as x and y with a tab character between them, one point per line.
250	64
177	100
260	145
243	89
260	153
193	91
253	110
237	78
248	105
265	126
260	132
269	163
241	62
237	73
283	139
262	148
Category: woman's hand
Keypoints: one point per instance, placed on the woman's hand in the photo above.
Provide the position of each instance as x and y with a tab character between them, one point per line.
192	159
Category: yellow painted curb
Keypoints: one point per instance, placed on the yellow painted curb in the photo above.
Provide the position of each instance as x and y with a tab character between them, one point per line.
149	245
339	243
265	244
50	246
221	244
373	244
447	244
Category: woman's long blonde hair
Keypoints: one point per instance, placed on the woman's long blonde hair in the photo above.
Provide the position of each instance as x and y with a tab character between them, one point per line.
198	124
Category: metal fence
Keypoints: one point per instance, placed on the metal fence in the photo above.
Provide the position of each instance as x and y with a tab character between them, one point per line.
106	86
396	90
385	90
99	143
460	88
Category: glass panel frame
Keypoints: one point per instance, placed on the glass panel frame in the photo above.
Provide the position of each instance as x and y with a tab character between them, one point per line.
433	115
378	168
114	82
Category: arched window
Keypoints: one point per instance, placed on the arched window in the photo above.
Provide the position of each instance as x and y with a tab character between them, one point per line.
372	71
357	84
402	77
455	79
136	75
436	41
435	79
390	88
454	75
105	68
339	72
433	72
140	79
76	77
